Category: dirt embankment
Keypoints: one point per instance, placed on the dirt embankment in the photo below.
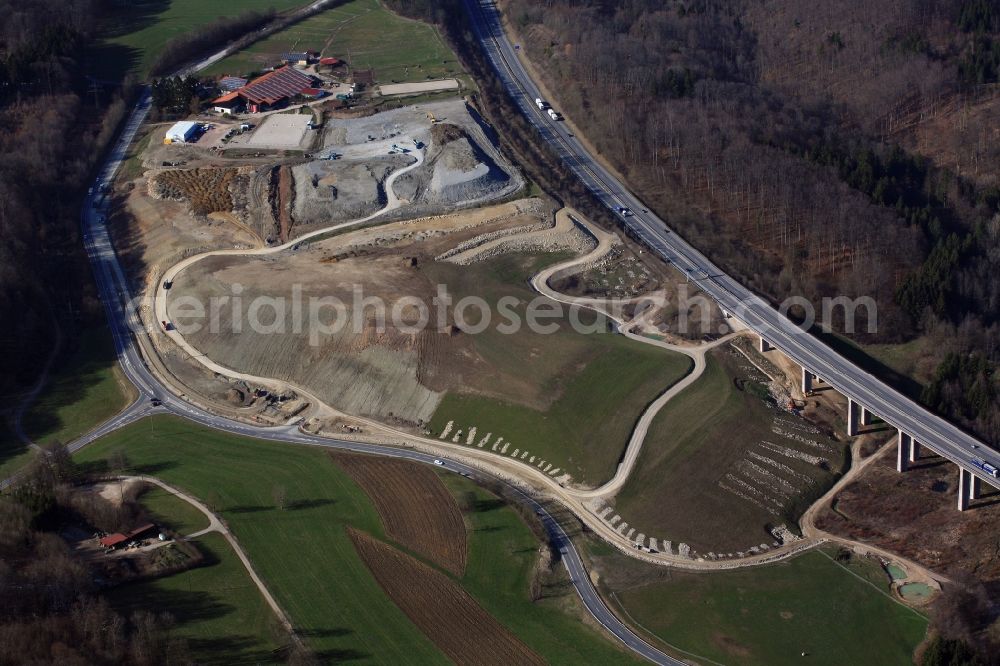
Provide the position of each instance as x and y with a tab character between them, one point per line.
361	368
441	609
914	514
417	511
286	193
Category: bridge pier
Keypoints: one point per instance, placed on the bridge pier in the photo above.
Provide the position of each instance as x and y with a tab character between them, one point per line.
866	416
914	451
964	488
765	346
975	488
852	417
807	381
904	451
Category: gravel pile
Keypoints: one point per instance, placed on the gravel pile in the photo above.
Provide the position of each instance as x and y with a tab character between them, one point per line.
332	191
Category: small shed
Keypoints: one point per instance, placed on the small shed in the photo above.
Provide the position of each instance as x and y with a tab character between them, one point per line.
298	58
228	104
330	61
181	132
113	541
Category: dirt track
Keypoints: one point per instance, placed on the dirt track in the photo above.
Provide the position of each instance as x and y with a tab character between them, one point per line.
216	525
540	282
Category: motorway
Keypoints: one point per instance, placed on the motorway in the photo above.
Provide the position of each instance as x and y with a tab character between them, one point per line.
123	320
800	346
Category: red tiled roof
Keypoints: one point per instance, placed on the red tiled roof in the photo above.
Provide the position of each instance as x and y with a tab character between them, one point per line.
228	97
329	61
113	540
275	86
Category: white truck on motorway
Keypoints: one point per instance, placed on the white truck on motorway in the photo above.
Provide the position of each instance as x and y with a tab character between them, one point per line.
986	467
554	115
541	103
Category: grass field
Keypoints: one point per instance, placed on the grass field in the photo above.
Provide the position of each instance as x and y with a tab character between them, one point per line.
80	393
217	608
307	560
172	511
445	613
502	556
772	615
361	32
137	32
302	552
585	431
719	464
14	454
601	382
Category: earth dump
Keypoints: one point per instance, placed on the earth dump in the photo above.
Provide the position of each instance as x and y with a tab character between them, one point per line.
208	190
456	171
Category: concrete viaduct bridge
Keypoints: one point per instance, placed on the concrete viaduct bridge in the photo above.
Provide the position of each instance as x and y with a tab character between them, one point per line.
941	438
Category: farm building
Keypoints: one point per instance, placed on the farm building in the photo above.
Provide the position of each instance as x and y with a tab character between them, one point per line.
274	88
117	540
228	104
231	83
330	62
181	132
302	58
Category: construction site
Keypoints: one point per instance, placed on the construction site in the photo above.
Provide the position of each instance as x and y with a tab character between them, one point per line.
316	203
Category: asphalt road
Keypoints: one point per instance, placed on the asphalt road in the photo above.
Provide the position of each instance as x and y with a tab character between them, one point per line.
803	348
123	320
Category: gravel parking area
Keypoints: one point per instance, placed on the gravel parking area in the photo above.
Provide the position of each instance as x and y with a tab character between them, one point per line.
421	87
281	131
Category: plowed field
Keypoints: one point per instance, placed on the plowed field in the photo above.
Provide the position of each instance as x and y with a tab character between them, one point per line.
417	511
441	609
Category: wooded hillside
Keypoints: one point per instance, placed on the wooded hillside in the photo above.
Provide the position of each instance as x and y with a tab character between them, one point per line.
847	148
50	136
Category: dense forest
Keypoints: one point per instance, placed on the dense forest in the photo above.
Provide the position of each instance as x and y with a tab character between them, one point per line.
52	612
841	148
51	133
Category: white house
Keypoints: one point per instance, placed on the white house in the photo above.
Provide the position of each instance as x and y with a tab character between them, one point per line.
181	132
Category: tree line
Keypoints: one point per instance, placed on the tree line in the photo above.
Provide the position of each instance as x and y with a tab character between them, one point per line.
210	37
52	134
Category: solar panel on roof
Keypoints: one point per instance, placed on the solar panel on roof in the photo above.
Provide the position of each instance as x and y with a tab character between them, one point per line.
276	85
